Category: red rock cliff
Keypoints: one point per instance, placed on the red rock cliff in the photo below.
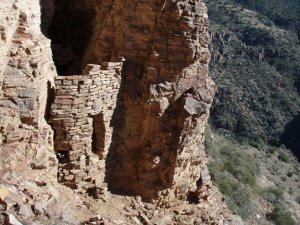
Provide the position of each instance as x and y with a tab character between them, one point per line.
133	119
166	95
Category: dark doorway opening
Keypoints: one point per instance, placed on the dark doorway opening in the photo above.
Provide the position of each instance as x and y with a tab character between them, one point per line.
98	136
70	30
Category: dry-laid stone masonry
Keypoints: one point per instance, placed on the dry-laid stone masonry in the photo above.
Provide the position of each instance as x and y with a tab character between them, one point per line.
81	116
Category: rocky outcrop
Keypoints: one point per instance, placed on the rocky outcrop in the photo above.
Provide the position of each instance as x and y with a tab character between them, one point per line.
166	97
26	81
135	125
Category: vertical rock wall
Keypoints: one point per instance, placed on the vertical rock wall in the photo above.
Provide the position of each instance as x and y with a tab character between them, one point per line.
137	124
26	81
157	142
166	97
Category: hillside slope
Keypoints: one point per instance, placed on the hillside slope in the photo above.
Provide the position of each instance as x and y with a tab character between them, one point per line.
255	115
255	63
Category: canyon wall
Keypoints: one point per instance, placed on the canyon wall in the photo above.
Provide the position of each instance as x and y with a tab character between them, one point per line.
26	82
163	103
166	96
124	107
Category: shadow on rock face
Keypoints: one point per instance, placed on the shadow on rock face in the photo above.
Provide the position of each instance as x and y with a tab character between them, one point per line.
291	136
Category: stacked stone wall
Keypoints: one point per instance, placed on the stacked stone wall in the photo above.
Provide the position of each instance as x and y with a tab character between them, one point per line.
81	112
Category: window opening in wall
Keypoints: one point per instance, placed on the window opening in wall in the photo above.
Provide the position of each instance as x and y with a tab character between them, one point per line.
49	101
98	136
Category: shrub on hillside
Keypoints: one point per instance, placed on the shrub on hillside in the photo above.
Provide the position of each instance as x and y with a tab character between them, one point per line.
280	215
298	199
237	196
272	194
283	156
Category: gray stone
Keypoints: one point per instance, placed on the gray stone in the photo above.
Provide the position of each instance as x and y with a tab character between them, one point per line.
38	208
25	210
194	107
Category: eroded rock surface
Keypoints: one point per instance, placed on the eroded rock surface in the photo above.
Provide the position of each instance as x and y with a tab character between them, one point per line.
26	81
134	125
166	97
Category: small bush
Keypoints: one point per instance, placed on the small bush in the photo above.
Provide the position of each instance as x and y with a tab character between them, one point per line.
298	199
290	174
272	194
283	156
257	142
280	215
272	150
237	196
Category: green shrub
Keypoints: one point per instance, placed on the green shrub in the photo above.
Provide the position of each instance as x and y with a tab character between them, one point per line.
283	156
290	174
257	142
272	150
281	216
241	165
237	196
271	194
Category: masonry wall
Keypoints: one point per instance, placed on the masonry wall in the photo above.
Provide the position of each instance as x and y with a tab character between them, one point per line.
81	117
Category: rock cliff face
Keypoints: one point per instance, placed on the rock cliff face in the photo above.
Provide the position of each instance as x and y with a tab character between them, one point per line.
133	118
166	94
26	81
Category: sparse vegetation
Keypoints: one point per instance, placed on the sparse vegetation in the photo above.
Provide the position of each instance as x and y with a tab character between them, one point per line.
283	156
235	168
233	171
272	194
280	215
256	66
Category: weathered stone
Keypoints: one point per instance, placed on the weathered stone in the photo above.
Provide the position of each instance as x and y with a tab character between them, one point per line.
38	208
147	104
24	210
3	194
194	107
11	220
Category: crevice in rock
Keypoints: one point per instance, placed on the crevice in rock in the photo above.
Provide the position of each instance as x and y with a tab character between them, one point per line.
70	30
50	98
193	198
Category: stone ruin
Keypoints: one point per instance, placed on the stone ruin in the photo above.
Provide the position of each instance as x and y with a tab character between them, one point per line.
81	117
